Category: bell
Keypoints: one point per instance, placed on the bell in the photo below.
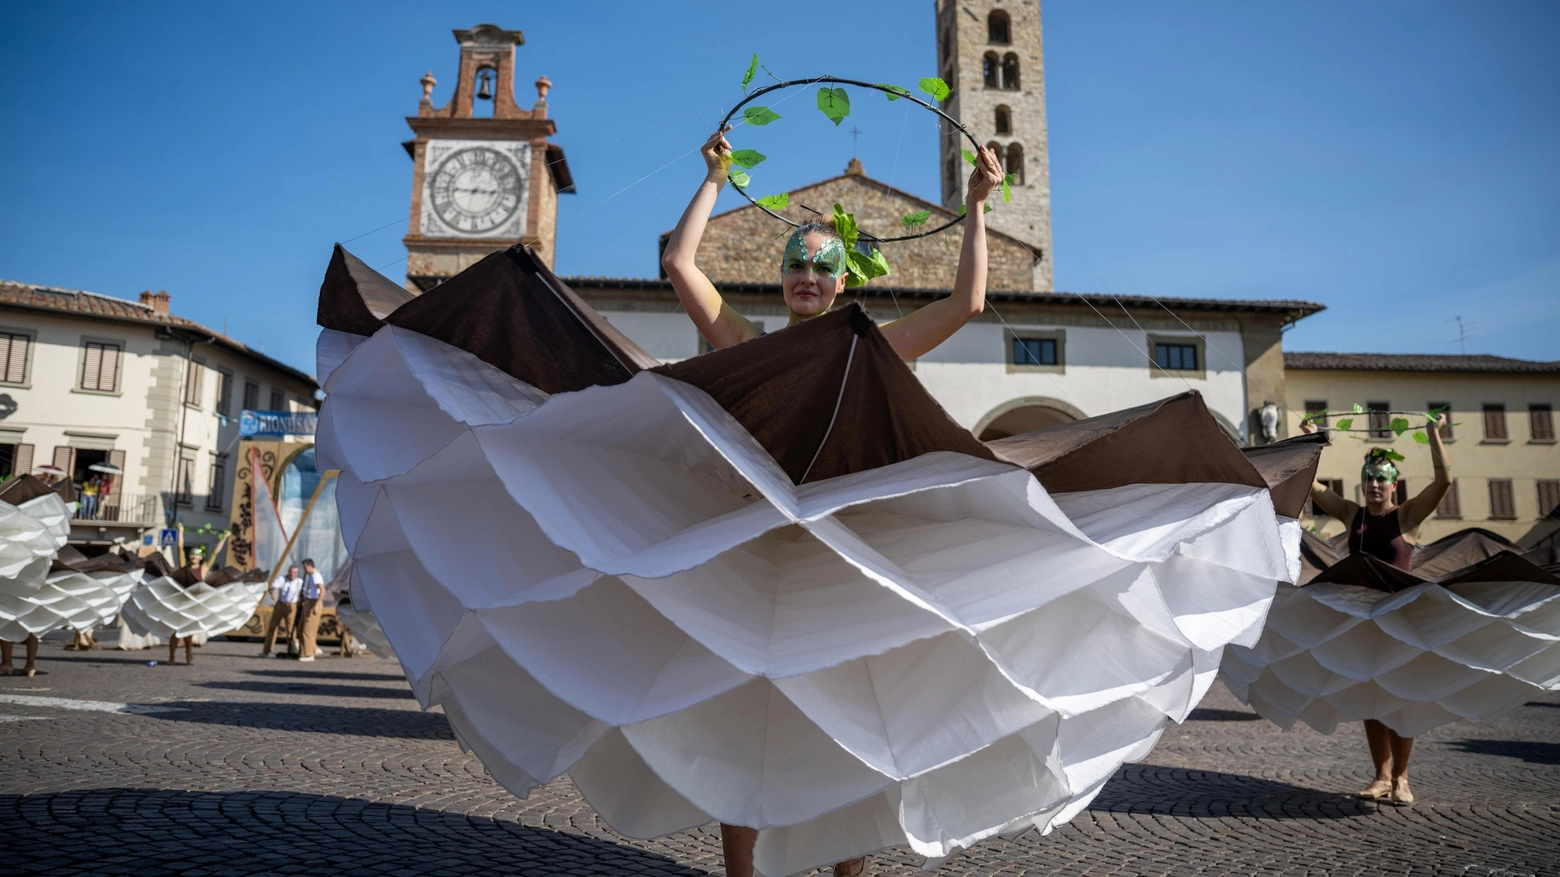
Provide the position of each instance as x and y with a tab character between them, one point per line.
485	85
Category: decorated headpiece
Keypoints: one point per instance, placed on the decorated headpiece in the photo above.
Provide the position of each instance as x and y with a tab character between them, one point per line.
1380	462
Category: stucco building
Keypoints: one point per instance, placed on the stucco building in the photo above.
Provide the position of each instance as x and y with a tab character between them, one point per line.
91	379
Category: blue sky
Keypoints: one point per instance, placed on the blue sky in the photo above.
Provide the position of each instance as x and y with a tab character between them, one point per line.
1396	161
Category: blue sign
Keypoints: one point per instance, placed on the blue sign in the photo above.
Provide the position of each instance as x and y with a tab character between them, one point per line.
168	537
276	423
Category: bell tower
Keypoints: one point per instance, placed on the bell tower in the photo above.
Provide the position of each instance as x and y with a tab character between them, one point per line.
989	52
481	183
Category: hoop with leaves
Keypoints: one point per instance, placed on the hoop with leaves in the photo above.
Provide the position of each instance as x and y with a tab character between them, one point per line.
1397	425
834	102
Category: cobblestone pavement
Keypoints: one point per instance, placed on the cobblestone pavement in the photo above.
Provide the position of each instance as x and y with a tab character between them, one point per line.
264	766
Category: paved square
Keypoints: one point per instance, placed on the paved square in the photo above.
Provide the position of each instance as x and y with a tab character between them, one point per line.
242	765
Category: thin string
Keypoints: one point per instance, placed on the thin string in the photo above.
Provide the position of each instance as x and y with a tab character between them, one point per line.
850	357
1054	382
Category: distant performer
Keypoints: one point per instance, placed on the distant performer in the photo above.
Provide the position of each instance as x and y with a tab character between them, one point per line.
308	615
1377	529
285	590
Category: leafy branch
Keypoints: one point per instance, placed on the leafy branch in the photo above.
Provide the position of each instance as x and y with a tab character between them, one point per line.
859	266
1397	425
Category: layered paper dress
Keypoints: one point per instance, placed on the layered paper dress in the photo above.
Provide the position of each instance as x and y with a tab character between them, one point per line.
1473	631
77	594
177	603
775	585
34	526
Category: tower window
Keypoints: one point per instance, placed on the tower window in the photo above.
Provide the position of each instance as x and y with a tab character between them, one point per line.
1015	162
1009	71
997	28
1004	121
990	66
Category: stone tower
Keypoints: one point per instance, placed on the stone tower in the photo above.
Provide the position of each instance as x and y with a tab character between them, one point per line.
989	52
481	183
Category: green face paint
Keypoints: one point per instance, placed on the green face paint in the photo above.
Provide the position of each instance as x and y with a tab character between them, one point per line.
1379	471
829	261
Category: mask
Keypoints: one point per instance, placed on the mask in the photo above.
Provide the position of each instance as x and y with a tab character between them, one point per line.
1377	471
829	261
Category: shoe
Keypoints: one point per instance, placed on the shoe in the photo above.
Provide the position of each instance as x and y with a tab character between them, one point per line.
851	868
1400	791
310	658
32	670
1376	790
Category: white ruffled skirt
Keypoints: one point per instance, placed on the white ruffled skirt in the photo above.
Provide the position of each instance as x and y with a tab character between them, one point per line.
162	608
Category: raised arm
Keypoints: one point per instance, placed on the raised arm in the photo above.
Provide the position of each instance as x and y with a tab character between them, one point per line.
716	321
1330	503
1416	510
920	331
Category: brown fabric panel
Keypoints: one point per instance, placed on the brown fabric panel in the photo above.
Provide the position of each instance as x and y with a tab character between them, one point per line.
24	488
503	311
1172	441
782	388
1366	571
1316	554
1506	566
627	351
354	297
1289	468
1460	550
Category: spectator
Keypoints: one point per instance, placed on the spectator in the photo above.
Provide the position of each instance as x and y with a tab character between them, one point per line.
89	496
285	590
309	610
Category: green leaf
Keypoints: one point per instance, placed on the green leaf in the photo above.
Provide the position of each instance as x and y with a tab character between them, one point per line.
1394	456
968	156
936	88
913	220
894	92
1358	408
748	158
759	116
1421	438
845	224
863	268
776	202
1007	193
752	69
739	177
1399	425
1433	413
835	103
1345	423
983	212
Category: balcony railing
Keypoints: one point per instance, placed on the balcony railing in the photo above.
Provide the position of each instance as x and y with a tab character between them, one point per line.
129	508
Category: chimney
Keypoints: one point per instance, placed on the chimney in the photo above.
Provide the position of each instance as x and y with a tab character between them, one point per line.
157	301
854	168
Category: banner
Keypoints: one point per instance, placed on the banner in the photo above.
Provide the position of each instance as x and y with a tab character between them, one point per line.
276	423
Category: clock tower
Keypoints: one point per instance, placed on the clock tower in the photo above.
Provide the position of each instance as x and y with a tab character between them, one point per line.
481	184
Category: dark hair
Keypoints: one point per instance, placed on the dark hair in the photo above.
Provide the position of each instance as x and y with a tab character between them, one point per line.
823	226
309	561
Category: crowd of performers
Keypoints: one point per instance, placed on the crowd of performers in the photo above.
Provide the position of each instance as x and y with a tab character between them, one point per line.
775	586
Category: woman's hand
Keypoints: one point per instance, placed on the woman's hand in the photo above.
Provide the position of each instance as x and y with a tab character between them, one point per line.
1308	427
986	176
717	156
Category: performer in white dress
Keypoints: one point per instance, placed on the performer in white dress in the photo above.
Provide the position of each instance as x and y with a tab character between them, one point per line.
181	605
34	526
774	586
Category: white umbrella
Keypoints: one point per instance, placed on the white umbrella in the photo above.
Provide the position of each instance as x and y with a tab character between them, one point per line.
52	470
104	467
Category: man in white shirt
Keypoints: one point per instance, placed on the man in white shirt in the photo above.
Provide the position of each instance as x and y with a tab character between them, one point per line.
309	610
285	590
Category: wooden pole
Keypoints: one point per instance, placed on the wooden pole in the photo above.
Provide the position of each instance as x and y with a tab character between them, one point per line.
298	528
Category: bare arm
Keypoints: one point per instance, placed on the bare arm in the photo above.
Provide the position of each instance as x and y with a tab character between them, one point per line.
1416	510
1330	503
715	320
922	330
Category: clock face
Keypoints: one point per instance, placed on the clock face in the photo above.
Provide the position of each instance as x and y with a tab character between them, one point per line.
476	190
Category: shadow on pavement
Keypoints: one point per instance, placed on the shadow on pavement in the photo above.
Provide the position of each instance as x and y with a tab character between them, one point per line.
144	831
1212	715
300	686
1529	751
318	718
328	674
1205	794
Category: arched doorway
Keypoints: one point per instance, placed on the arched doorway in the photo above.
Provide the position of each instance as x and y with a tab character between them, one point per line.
1024	415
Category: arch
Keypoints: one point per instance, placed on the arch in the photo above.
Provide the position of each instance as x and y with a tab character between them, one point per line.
999	28
486	78
1024	414
990	69
1014	162
1004	120
1229	428
1009	71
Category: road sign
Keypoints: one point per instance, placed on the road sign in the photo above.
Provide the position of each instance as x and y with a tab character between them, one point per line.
167	537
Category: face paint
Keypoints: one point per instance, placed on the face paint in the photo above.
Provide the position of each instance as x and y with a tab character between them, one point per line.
1379	472
829	261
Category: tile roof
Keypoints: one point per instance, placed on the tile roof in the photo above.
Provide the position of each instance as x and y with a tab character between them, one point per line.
31	296
1417	362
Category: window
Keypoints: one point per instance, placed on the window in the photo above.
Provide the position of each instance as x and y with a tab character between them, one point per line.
1548	497
1495	422
998	28
1317	406
214	487
184	485
1541	423
1446	431
13	357
1010	71
224	392
278	400
1502	505
1333	484
1015	162
251	396
194	383
100	367
1176	357
21	459
1451	504
1380	419
1034	351
989	69
1004	121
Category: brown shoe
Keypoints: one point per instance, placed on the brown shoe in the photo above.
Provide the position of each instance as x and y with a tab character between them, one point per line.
1376	791
851	868
1400	791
